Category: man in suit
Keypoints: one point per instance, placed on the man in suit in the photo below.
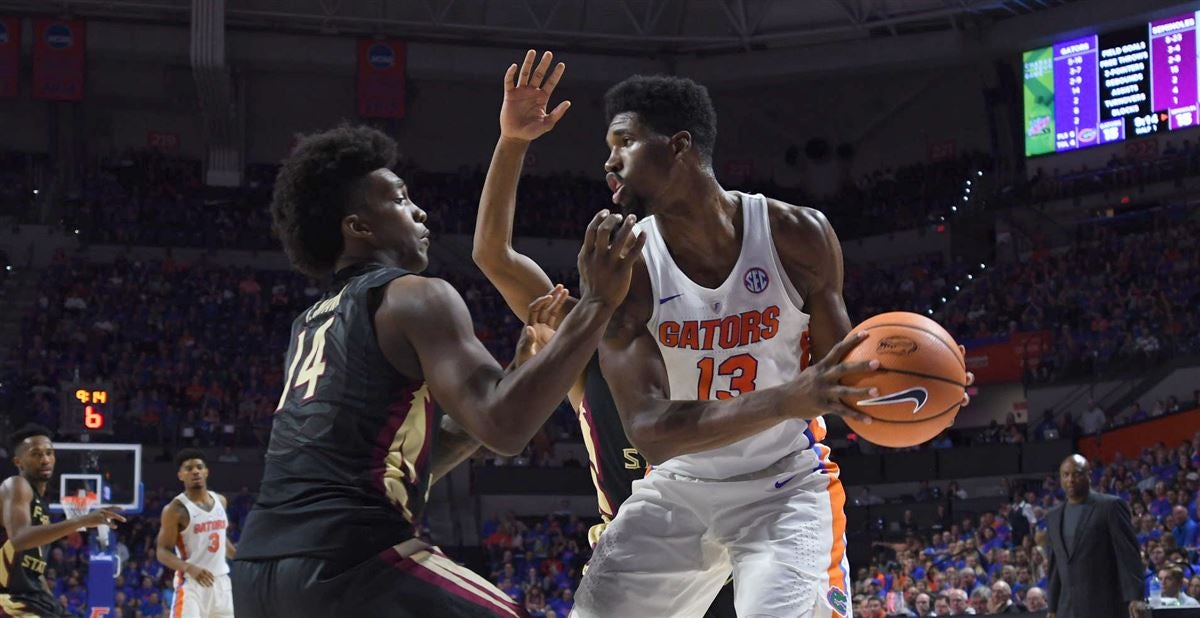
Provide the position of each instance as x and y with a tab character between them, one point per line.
1095	569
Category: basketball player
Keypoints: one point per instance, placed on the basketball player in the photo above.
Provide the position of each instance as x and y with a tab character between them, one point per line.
28	529
708	362
352	451
192	542
614	463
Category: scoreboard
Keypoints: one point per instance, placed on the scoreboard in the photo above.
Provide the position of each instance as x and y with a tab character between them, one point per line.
85	408
1112	86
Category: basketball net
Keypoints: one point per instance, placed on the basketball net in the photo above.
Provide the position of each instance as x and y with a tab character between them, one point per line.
79	505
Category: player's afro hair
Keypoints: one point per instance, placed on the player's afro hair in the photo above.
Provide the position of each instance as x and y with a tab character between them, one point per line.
24	433
667	105
318	185
189	453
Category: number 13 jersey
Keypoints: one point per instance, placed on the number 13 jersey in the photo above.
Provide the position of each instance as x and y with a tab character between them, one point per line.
750	333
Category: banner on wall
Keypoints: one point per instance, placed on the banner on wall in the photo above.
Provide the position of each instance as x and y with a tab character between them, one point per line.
10	56
1130	440
997	363
59	54
381	78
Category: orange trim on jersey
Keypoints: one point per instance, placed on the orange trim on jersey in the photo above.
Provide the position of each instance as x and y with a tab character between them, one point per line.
817	428
181	551
837	507
178	613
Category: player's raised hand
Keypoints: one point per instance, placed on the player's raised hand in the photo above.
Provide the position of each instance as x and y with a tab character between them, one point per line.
610	247
818	389
523	115
545	314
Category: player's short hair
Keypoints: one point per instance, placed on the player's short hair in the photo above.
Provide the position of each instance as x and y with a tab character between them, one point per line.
24	433
320	183
189	453
667	105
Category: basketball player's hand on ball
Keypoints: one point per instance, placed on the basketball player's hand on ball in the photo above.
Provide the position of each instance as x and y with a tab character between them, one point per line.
610	247
103	516
817	390
204	576
970	377
523	115
545	314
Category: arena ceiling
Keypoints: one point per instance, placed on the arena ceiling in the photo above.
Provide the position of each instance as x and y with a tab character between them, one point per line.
626	27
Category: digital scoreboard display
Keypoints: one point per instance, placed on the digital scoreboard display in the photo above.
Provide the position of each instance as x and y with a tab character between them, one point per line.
85	408
1112	86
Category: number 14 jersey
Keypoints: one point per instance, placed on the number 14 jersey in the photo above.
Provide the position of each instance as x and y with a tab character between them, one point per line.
750	333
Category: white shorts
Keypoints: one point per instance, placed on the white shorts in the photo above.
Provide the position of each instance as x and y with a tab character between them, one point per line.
674	542
195	601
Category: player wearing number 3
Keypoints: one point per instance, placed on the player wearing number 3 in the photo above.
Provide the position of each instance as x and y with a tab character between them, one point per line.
707	358
192	541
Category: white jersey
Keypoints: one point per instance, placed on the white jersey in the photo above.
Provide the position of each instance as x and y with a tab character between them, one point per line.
202	543
747	334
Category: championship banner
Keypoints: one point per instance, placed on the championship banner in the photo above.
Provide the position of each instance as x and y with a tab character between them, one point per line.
10	56
381	75
58	59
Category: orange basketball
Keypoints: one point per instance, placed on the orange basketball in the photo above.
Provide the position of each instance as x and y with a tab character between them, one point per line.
921	379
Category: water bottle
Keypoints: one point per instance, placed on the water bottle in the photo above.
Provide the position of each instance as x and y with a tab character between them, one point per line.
1155	590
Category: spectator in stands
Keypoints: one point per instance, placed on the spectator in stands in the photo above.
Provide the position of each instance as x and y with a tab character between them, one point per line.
959	605
1002	600
1185	531
1172	590
922	606
941	605
1093	421
1035	600
1193	589
875	608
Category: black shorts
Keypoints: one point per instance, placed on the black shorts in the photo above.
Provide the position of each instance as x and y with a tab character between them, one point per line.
31	605
424	585
722	606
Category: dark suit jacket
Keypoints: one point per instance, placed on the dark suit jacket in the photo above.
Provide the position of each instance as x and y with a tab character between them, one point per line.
1104	573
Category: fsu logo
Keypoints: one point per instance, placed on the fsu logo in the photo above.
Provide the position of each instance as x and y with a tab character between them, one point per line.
756	280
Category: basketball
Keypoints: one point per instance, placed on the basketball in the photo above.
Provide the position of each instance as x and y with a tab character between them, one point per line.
921	379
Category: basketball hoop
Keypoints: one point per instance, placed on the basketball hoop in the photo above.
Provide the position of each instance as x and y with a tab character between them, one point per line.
80	505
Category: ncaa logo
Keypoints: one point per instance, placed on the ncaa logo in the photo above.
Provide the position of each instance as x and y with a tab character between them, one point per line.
756	280
381	56
59	36
3	33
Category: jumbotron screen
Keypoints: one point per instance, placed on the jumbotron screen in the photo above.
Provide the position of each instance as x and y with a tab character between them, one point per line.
1112	86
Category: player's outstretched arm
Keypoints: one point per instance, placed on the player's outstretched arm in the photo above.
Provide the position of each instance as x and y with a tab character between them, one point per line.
662	428
15	497
504	410
173	518
523	118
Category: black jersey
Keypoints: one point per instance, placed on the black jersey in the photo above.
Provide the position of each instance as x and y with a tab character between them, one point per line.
348	465
615	464
21	571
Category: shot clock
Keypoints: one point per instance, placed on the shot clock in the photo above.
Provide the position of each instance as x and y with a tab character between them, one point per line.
86	408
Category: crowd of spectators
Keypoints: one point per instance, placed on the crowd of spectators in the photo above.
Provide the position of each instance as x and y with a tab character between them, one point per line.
538	562
1123	294
146	198
986	564
193	352
1133	170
